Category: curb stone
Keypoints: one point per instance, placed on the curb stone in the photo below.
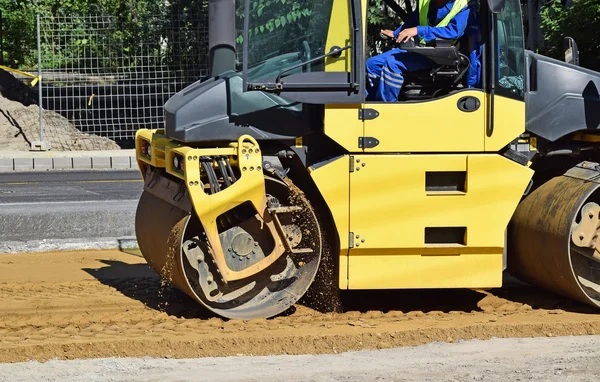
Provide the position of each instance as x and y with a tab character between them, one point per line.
78	160
23	164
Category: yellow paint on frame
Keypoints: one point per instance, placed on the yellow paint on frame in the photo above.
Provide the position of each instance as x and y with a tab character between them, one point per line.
333	182
341	124
390	210
339	35
509	123
416	271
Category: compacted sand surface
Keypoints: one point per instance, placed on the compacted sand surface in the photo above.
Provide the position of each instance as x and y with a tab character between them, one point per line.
100	304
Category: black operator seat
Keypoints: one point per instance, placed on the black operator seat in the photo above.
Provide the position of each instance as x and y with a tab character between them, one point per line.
442	53
452	63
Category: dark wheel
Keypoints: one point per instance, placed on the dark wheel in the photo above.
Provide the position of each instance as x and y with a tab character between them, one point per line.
553	239
177	249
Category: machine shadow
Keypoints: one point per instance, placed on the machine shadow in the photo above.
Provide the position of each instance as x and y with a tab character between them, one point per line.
141	283
521	292
418	300
511	296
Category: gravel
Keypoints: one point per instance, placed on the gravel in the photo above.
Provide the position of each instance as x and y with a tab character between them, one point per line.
535	359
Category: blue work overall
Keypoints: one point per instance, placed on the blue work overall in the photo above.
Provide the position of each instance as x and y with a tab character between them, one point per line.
385	71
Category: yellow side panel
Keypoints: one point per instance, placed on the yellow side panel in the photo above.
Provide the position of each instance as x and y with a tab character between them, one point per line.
343	126
390	210
333	181
339	35
432	126
415	271
509	123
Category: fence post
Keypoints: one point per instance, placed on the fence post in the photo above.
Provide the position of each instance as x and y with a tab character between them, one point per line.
1	39
40	145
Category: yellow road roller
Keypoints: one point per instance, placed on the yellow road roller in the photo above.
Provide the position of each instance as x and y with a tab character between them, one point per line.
276	173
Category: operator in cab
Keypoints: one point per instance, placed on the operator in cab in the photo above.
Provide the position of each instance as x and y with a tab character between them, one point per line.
441	19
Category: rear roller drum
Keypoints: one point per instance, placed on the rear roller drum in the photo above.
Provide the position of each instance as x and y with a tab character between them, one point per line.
553	237
186	258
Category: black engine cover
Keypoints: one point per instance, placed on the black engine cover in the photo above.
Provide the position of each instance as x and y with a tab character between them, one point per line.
561	98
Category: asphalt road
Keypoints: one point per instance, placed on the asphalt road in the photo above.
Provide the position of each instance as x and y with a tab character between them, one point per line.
67	210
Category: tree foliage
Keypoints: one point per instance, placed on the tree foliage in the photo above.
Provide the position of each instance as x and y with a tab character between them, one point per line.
114	33
293	17
99	34
278	27
580	21
269	15
18	32
381	16
147	28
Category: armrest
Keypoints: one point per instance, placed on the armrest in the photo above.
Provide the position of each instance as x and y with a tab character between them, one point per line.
443	53
437	43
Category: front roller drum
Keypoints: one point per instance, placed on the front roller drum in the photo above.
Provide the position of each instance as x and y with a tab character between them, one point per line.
174	245
552	239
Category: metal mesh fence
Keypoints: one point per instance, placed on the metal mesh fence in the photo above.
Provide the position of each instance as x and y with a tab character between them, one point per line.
112	79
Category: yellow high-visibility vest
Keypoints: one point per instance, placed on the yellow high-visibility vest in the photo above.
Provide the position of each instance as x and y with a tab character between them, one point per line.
458	6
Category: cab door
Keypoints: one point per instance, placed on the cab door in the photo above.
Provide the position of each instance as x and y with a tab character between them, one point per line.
454	123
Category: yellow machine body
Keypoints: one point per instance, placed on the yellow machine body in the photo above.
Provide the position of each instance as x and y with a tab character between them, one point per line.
380	201
250	188
381	206
383	210
378	197
419	193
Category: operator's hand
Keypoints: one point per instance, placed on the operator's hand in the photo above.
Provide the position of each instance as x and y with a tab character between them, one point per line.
406	35
387	33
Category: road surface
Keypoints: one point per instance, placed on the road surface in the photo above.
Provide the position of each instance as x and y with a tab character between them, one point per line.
498	360
65	210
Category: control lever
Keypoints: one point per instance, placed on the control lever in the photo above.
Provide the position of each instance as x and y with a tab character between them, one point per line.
410	44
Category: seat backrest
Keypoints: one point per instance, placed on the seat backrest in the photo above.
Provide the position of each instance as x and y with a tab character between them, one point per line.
501	33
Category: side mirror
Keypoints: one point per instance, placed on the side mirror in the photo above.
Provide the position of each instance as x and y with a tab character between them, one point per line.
571	51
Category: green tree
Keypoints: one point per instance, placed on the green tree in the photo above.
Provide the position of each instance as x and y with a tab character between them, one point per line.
124	27
382	14
185	30
580	21
18	33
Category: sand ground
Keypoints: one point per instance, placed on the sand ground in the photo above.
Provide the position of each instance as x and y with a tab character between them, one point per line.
99	304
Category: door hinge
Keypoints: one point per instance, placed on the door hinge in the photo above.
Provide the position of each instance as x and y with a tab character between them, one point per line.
351	240
367	114
367	142
351	163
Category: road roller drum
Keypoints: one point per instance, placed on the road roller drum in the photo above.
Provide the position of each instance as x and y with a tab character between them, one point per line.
173	242
553	236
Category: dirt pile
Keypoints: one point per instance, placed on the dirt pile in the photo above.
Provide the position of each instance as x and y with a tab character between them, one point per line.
19	126
19	122
110	304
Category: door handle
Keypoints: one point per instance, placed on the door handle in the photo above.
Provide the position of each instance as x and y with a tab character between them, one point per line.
468	104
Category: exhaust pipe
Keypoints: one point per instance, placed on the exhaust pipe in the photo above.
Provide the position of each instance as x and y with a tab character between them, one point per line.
221	36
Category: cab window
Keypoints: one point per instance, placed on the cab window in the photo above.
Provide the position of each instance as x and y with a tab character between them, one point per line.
511	50
282	34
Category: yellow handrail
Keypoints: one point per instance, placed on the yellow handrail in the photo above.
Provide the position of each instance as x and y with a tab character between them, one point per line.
35	78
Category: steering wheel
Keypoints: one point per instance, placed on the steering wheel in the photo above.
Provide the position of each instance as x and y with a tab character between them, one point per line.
307	56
